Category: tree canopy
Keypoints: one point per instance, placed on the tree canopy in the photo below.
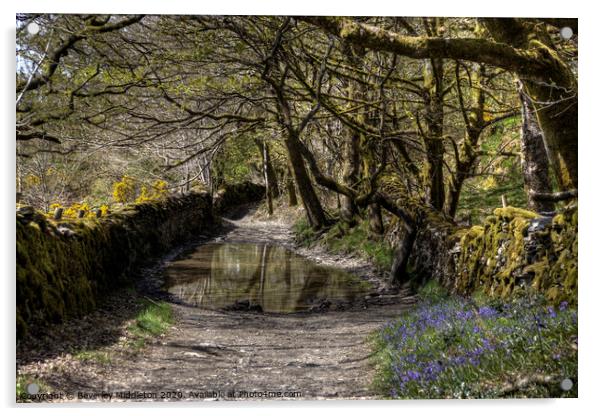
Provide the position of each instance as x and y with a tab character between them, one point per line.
373	112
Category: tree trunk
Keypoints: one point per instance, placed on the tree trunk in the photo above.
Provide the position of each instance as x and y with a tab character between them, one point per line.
311	202
351	149
534	158
559	126
375	221
468	150
401	256
272	177
555	101
433	140
268	168
268	186
453	194
464	168
290	189
187	184
351	161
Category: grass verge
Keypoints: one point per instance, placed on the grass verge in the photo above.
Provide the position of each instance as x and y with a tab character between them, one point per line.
341	239
153	320
101	357
453	347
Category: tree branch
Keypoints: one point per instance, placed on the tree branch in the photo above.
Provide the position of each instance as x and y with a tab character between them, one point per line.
531	63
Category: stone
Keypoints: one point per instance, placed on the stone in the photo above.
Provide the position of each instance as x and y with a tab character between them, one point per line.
25	210
539	224
67	232
25	214
58	213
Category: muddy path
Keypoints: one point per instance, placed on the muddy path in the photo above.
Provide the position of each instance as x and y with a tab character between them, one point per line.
209	353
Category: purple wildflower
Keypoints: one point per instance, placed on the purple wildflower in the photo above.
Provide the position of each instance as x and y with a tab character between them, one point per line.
487	312
413	375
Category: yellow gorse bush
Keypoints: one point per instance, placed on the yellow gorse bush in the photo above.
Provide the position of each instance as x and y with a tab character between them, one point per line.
53	207
104	209
158	192
74	209
124	190
160	189
144	196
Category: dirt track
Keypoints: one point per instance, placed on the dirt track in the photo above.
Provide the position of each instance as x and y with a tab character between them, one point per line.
314	355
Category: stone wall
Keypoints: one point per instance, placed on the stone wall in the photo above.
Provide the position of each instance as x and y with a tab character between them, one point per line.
63	267
515	250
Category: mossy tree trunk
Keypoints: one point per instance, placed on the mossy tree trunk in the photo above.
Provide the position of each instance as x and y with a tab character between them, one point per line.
351	165
534	159
464	167
554	98
349	209
375	221
468	150
433	133
399	268
309	198
352	139
369	168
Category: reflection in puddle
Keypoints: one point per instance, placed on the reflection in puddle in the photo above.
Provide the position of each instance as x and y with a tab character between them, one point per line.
265	277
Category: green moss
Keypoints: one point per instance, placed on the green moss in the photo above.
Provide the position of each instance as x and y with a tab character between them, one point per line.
494	258
512	212
563	274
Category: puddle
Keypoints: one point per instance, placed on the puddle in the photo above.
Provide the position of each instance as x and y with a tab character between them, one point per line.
259	277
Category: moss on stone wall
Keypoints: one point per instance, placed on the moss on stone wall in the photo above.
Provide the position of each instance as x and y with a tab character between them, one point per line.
515	250
63	267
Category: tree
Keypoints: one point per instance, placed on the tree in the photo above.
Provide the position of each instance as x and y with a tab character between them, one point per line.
522	47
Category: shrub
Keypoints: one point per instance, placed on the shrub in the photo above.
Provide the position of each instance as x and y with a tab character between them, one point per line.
124	190
144	196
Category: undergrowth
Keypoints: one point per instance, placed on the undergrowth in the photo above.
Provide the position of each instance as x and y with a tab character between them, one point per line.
453	347
153	320
340	238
